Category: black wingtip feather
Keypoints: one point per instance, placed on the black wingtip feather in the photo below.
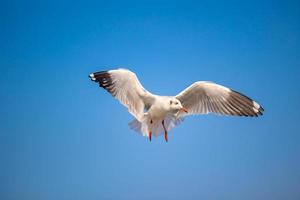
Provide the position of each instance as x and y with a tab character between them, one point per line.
260	109
104	79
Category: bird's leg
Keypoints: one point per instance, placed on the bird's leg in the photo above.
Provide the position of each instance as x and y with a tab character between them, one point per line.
150	133
166	133
150	136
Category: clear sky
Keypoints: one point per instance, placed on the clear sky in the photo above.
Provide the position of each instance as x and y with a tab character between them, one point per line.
63	137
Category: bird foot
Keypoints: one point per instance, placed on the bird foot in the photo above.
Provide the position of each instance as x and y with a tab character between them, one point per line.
166	136
150	136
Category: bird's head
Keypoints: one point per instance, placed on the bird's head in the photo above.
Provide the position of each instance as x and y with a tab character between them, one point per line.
175	105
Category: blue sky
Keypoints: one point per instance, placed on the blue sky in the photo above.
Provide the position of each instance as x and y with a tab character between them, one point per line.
62	137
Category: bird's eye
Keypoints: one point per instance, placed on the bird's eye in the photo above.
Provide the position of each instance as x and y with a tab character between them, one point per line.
176	103
171	102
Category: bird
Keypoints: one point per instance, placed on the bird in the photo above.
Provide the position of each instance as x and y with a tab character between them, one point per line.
157	115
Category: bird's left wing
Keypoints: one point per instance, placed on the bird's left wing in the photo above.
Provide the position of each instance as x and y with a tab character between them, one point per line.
125	86
205	97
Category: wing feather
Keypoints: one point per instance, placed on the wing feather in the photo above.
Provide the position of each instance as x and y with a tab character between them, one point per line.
207	97
125	86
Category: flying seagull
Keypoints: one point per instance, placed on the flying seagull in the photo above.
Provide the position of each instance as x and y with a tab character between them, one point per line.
155	114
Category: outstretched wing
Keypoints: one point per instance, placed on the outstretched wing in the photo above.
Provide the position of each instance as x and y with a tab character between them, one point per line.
206	97
125	86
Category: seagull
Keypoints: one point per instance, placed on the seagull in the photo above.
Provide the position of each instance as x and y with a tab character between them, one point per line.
155	114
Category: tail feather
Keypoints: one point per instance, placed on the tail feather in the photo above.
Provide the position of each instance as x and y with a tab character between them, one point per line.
157	128
140	127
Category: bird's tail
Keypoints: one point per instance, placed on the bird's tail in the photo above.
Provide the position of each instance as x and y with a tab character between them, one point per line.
142	127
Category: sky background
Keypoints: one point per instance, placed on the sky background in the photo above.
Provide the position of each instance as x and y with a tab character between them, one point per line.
62	137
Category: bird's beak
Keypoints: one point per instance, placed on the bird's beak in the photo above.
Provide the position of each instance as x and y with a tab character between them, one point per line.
183	109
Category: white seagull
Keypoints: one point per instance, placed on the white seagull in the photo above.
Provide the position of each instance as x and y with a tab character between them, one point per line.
155	114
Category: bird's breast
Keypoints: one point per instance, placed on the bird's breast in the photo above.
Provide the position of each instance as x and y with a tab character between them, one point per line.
158	111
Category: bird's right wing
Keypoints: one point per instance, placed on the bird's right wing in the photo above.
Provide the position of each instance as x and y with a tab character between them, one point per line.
125	86
205	97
